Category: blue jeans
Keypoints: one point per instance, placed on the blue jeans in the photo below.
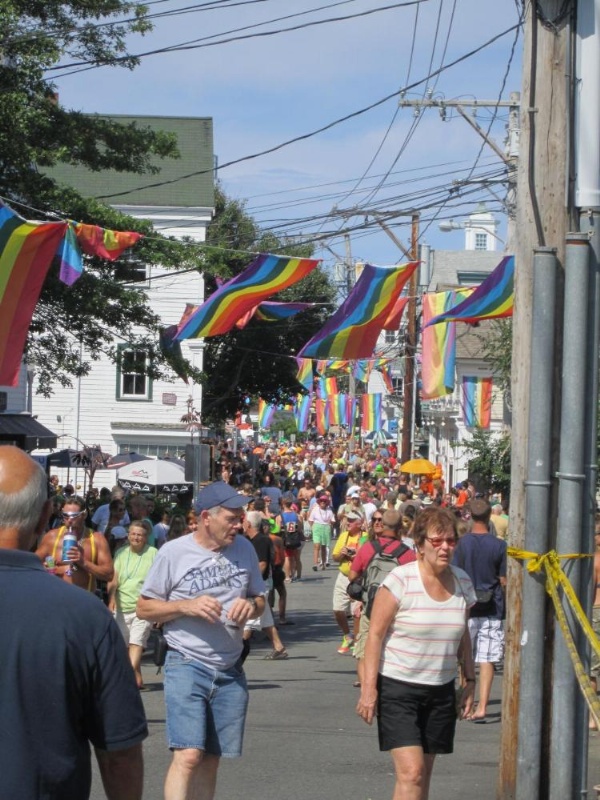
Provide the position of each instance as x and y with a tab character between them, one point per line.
206	707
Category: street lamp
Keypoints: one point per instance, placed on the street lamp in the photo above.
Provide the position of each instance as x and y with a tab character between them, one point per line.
450	225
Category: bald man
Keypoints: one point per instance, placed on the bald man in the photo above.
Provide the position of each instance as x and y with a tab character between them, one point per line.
66	678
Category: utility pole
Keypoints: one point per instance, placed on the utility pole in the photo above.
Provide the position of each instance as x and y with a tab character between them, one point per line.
411	349
509	156
541	222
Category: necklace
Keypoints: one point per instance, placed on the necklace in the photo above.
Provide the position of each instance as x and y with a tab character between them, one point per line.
132	574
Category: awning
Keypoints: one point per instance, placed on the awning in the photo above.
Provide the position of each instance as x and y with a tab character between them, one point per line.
25	432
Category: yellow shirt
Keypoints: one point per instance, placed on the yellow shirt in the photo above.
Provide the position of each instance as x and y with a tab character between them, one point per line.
345	539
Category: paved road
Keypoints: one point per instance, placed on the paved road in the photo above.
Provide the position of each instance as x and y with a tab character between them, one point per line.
303	739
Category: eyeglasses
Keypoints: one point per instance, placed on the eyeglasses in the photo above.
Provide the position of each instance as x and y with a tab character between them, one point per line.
438	541
71	514
377	519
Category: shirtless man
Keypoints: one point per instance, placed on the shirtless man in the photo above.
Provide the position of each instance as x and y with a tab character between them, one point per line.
89	560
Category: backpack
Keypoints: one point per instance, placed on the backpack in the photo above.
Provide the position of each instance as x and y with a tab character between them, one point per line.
379	566
292	538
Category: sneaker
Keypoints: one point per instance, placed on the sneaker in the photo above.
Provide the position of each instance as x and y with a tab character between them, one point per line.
346	645
315	568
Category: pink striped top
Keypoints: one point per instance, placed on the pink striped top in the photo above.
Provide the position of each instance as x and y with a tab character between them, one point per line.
422	642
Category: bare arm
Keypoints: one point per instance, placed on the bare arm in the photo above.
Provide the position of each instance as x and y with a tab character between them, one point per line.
46	545
103	570
112	592
465	656
122	772
384	610
203	606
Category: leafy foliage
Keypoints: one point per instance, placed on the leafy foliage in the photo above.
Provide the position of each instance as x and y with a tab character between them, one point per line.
257	360
490	460
496	349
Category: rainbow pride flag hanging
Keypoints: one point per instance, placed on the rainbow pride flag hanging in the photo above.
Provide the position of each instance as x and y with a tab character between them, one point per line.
322	416
371	412
265	413
327	387
392	323
302	412
338	365
104	243
70	258
438	345
353	329
339	409
265	276
362	370
492	299
26	252
305	372
272	312
477	401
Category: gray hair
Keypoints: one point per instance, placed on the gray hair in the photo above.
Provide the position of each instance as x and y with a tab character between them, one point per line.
254	518
22	510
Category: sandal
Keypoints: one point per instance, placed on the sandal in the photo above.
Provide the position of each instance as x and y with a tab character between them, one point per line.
276	655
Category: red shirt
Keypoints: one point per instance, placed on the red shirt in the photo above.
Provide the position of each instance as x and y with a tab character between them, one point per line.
367	551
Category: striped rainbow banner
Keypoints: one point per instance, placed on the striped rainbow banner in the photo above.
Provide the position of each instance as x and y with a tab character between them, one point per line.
26	252
322	416
371	412
327	387
305	372
265	413
352	331
477	401
438	345
302	412
265	276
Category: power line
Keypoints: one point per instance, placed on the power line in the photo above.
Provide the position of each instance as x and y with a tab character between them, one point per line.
323	128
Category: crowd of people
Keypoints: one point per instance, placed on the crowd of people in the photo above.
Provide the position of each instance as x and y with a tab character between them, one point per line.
212	572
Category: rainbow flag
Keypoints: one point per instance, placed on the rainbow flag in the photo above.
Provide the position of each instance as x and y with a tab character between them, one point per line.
339	409
70	258
305	372
265	276
265	413
362	370
302	412
271	312
338	365
104	243
26	252
327	387
477	401
353	329
438	345
385	371
321	416
492	299
371	412
392	323
321	366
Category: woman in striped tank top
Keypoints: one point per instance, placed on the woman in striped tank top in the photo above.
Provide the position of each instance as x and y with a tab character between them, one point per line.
418	631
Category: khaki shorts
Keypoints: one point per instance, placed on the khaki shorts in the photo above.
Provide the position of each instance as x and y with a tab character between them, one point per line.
361	639
134	630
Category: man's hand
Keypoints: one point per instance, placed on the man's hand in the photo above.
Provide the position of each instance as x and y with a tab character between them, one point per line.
205	607
241	611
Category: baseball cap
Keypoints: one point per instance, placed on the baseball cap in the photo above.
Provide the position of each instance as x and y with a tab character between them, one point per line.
427	501
219	493
351	516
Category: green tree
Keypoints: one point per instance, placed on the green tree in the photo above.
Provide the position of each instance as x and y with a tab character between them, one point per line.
37	132
489	461
496	349
283	421
257	360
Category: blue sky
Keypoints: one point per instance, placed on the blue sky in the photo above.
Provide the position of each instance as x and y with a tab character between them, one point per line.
266	90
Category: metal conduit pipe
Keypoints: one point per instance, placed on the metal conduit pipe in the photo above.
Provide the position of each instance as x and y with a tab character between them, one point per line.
570	493
537	492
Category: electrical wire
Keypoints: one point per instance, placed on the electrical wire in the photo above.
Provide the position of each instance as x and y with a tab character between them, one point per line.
321	129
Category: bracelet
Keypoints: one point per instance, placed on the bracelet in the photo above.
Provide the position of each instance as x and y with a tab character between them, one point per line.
470	680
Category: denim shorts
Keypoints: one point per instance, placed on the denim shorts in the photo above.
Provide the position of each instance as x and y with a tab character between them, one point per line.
206	707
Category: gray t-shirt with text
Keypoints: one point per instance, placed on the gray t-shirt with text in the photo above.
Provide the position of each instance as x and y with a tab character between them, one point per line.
182	570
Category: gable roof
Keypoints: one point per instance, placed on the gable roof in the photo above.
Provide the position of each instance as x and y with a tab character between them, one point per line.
195	144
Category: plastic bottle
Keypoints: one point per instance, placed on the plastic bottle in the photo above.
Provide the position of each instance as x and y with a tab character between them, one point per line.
69	541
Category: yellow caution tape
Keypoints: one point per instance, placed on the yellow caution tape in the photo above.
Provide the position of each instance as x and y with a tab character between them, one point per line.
555	577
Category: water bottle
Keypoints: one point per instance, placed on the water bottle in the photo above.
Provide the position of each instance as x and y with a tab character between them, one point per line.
69	541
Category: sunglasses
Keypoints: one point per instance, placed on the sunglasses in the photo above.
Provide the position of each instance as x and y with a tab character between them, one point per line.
438	541
71	514
377	519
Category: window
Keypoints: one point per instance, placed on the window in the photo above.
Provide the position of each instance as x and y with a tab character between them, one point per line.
132	381
390	337
130	270
481	241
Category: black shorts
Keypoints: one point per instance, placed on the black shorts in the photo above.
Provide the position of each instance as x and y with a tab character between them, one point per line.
278	577
416	715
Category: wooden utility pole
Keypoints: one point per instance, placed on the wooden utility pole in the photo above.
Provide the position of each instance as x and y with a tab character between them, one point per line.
411	348
541	221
